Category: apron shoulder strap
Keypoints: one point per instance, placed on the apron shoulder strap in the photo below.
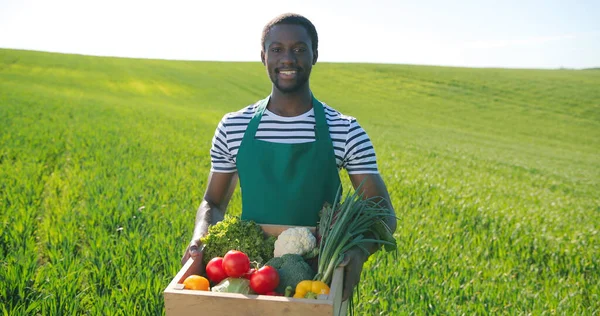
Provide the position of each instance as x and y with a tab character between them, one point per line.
321	127
250	133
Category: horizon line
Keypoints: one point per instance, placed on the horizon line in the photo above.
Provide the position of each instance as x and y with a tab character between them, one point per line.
326	62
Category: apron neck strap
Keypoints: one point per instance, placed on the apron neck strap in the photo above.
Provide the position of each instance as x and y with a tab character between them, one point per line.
321	128
250	133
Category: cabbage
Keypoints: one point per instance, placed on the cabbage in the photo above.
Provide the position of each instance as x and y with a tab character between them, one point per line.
233	285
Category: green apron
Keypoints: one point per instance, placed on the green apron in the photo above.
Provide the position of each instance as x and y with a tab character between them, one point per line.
287	184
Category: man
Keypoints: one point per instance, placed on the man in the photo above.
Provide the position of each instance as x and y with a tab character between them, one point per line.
288	148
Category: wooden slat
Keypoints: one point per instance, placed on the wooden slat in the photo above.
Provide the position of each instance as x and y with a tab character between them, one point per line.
177	304
342	309
337	282
179	277
191	267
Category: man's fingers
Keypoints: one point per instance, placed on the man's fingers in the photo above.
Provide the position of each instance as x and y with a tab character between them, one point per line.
193	250
352	269
345	261
349	286
190	252
345	294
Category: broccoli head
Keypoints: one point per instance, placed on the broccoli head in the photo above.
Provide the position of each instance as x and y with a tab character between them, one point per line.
292	269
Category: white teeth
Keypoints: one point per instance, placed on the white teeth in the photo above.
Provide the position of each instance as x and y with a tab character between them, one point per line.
290	72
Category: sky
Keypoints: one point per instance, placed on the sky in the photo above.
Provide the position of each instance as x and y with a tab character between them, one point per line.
484	33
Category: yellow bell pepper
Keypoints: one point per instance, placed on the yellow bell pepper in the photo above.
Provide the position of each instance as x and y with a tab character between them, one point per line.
311	289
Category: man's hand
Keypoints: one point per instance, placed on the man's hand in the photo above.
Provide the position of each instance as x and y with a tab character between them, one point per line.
373	186
192	251
353	264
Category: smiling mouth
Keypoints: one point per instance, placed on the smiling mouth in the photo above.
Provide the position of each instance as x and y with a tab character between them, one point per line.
287	74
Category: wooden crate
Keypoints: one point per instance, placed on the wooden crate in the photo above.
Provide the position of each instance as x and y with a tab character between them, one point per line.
190	302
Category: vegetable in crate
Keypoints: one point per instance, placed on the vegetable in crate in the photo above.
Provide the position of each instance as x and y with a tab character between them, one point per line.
311	289
292	269
236	263
196	282
234	233
355	222
233	285
264	280
215	271
295	240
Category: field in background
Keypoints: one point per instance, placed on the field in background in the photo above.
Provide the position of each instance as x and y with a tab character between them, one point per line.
494	174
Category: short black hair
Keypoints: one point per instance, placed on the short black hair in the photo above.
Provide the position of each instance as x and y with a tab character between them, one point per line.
293	19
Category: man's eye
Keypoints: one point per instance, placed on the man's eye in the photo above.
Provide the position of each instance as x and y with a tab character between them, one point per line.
276	50
300	50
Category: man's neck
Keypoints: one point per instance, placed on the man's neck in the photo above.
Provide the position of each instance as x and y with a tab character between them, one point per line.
290	104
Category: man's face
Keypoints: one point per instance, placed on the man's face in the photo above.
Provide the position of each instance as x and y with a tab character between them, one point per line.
288	56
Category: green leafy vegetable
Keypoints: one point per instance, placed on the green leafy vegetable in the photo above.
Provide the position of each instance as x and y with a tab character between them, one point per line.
233	285
235	234
292	269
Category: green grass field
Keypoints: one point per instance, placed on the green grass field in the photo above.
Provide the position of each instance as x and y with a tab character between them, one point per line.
494	174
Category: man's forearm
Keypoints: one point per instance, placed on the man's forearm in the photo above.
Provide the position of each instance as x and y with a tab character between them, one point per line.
208	214
390	221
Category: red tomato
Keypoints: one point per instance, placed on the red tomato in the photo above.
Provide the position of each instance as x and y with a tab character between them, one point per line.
264	280
236	263
214	270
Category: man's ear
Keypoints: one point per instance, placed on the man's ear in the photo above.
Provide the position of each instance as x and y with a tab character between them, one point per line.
315	56
262	57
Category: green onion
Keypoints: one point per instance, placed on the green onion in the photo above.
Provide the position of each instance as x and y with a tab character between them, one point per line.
345	225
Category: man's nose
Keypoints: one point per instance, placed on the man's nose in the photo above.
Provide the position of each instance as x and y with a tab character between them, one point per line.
288	57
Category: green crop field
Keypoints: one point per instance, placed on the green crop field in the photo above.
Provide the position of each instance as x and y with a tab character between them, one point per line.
494	175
